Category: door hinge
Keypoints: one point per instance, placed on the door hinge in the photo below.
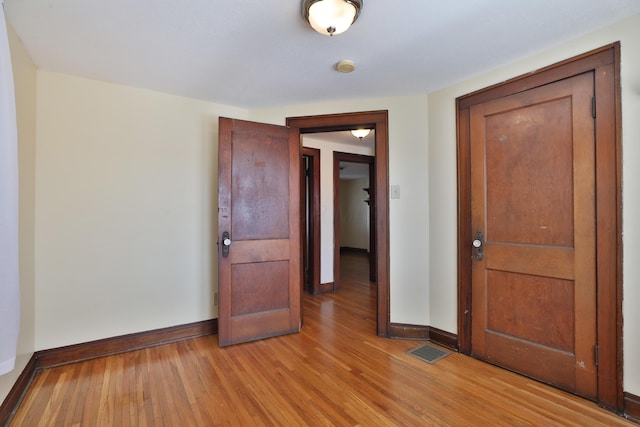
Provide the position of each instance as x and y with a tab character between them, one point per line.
595	354
593	107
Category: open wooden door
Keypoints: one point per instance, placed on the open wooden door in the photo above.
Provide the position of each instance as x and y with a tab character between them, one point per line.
259	262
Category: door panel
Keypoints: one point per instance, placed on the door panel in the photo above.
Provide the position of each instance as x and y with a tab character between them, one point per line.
259	202
257	287
511	313
260	186
529	185
532	195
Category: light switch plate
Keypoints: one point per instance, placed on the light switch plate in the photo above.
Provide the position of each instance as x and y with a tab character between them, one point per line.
395	191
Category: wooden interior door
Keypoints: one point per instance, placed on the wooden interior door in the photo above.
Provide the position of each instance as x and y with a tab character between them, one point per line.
533	200
259	268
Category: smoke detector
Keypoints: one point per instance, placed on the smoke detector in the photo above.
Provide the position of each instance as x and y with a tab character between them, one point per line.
345	66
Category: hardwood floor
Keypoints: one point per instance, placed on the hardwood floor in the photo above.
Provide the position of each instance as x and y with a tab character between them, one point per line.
335	372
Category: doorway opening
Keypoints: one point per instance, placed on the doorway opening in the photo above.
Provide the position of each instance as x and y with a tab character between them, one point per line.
378	122
349	230
353	216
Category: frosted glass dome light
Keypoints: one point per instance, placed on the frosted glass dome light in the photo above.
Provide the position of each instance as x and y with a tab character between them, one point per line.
331	17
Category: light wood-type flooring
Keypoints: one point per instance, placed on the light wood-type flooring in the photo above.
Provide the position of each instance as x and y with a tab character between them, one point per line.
336	372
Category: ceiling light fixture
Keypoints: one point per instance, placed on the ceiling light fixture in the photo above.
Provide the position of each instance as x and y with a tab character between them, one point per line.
330	17
360	133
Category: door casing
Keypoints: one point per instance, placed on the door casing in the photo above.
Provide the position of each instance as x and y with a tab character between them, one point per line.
311	220
378	121
605	63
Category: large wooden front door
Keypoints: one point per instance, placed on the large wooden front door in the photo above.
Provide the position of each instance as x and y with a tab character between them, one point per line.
533	207
259	276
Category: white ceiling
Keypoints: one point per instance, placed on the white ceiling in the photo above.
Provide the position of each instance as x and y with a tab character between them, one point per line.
256	54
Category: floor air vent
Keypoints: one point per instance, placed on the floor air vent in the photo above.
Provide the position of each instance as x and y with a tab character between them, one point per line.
428	353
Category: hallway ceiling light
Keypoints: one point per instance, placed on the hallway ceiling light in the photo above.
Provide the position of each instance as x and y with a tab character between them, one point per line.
360	133
330	17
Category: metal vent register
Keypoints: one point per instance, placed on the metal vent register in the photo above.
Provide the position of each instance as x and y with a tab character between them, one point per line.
428	353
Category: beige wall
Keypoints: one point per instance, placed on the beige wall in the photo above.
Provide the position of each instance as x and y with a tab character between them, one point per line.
354	213
126	196
24	76
442	177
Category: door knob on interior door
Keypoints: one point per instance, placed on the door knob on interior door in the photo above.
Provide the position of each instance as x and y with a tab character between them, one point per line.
477	244
226	242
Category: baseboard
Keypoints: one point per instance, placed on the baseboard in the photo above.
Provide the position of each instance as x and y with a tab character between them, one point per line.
410	332
14	397
632	407
91	350
444	338
419	332
326	287
121	344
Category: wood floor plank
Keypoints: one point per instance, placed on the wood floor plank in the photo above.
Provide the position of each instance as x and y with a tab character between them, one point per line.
336	372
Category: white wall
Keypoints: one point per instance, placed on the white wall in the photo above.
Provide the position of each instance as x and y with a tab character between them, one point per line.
442	177
354	213
408	216
326	196
126	219
24	77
